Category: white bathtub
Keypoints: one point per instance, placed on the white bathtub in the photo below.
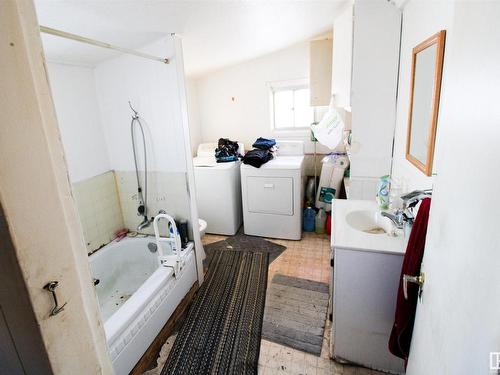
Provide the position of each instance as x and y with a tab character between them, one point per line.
136	296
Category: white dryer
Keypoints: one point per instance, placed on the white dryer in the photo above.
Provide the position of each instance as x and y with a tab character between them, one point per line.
272	194
218	191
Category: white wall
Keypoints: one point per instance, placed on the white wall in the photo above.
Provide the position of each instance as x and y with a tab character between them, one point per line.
457	320
93	183
94	120
194	114
152	89
421	19
75	99
248	116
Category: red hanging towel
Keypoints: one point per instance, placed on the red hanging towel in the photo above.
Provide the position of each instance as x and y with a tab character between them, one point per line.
400	340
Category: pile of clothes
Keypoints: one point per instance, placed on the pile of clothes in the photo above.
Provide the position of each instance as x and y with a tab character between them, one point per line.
263	152
226	151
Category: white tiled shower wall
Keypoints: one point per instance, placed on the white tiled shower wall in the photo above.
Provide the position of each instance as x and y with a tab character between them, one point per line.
99	209
166	191
108	202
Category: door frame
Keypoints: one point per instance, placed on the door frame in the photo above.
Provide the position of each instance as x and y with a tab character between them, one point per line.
23	352
40	213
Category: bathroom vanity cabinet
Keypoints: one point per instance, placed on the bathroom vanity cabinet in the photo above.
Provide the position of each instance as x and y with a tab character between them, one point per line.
365	283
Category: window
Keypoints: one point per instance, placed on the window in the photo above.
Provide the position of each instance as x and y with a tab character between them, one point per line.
290	107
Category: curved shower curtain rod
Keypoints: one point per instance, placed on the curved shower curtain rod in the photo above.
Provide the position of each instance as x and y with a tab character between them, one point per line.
82	39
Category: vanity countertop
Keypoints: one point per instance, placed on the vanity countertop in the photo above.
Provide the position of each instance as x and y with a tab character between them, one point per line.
346	237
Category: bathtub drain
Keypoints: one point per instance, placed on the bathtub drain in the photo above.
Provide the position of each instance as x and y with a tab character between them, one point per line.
152	247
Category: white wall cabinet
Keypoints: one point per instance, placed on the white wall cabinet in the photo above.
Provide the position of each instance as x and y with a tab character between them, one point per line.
320	71
342	58
364	79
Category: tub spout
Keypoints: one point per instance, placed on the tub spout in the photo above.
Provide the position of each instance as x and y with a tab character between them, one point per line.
145	223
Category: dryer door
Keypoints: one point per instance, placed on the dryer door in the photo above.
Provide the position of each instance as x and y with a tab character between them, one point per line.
270	195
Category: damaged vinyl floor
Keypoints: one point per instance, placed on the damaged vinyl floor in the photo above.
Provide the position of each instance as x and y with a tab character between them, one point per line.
308	259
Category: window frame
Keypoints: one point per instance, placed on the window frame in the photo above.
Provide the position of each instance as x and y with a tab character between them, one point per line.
293	85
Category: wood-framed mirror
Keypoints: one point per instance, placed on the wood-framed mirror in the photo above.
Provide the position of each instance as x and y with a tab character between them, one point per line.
425	90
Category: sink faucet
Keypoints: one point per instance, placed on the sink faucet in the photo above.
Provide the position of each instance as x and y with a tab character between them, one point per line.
405	214
397	217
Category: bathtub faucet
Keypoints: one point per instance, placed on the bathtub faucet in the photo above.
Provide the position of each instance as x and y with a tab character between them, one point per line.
145	223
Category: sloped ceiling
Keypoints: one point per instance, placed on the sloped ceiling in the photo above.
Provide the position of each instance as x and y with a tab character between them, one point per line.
215	33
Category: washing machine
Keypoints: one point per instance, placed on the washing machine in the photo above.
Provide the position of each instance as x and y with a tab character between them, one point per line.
272	194
218	191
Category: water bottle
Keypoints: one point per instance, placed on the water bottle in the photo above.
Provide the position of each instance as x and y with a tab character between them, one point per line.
309	216
320	221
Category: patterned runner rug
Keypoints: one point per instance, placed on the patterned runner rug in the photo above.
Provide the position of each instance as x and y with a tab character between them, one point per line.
241	241
295	313
222	331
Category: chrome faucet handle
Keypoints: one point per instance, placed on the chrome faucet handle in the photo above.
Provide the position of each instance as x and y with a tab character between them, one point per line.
397	217
412	198
400	217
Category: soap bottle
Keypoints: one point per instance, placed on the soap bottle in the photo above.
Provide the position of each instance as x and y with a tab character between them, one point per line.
384	185
320	221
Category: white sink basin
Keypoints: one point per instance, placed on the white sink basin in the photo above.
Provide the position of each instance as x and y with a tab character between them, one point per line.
370	221
359	225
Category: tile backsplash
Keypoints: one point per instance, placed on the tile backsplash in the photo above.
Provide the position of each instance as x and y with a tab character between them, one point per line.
166	190
108	202
99	209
